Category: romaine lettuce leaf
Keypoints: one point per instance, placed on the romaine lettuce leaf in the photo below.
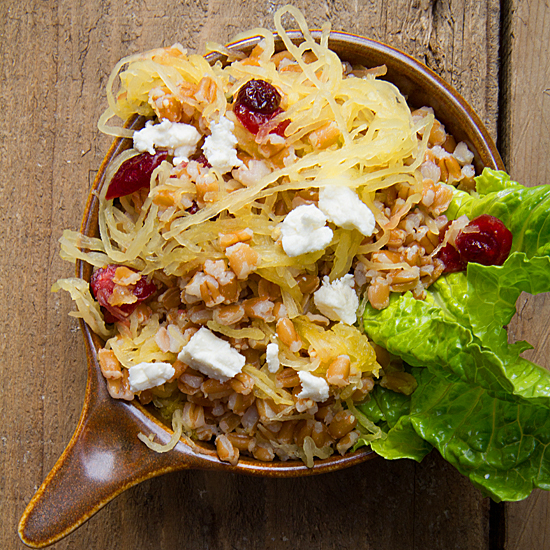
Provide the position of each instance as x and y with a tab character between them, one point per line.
479	402
437	333
458	331
502	446
391	411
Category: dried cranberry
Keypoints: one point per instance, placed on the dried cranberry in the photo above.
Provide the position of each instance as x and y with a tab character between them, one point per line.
251	120
109	317
103	286
201	159
451	259
259	96
143	289
193	209
256	104
134	174
485	240
280	129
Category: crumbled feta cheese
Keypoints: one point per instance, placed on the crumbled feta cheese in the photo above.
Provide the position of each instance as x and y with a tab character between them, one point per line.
338	300
180	139
304	230
219	146
343	207
463	154
313	387
212	356
272	358
149	375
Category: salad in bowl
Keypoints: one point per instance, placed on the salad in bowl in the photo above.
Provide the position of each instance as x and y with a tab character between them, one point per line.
292	262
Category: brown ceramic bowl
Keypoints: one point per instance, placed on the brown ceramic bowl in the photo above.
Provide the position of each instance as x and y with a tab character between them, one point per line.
104	456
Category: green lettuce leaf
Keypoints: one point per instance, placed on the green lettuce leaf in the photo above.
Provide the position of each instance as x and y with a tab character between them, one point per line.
482	405
438	333
502	446
458	331
391	411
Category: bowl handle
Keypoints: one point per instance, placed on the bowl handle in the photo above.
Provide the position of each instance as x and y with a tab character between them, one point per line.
103	459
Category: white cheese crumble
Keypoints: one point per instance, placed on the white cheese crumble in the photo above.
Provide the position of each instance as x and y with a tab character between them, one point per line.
343	207
219	146
338	300
272	358
180	139
313	387
212	356
144	376
304	230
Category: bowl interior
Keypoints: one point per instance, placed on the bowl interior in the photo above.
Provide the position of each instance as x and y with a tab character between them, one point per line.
421	87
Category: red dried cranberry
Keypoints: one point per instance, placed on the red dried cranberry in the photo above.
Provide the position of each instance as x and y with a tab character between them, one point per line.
134	174
103	286
256	104
201	159
259	96
143	289
281	127
485	240
251	120
109	317
194	208
451	259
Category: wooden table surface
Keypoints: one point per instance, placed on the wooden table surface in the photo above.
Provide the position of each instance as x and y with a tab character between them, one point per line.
55	58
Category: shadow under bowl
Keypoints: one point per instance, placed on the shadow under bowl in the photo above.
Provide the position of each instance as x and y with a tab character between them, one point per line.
104	456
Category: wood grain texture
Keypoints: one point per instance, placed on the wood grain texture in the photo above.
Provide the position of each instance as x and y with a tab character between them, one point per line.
55	58
525	145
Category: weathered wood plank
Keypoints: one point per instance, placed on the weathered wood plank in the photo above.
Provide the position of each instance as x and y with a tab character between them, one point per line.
55	59
525	144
